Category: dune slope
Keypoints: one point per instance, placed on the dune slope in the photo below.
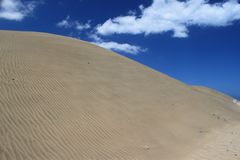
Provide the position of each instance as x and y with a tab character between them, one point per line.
64	99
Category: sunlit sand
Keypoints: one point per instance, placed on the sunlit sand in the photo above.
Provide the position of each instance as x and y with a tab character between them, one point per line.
65	99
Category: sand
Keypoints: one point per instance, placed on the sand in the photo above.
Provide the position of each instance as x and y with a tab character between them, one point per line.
65	99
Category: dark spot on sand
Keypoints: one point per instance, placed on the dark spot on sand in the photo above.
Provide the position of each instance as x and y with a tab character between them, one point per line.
146	147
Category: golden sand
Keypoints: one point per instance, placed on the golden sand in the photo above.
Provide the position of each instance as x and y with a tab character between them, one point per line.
64	99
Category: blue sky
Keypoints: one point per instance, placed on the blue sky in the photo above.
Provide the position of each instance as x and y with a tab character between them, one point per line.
194	41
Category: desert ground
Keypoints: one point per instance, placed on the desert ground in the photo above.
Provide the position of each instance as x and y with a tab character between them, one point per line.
65	99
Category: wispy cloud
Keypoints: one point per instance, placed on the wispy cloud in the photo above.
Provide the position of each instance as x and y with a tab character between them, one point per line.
122	47
78	27
65	23
16	9
172	15
236	102
68	23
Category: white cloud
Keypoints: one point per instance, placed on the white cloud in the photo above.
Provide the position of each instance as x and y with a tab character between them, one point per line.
95	37
122	47
65	23
236	102
15	9
80	26
68	23
172	15
97	40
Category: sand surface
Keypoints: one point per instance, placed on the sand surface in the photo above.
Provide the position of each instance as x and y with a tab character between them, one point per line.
64	99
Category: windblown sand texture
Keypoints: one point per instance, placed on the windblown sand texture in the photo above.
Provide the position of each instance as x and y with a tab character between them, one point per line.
64	99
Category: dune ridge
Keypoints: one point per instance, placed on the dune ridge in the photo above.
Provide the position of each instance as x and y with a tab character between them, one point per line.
62	98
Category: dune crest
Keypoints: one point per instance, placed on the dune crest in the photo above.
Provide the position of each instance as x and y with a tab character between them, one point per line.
65	99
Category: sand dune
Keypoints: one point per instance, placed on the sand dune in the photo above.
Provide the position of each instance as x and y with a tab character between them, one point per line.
64	99
212	93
